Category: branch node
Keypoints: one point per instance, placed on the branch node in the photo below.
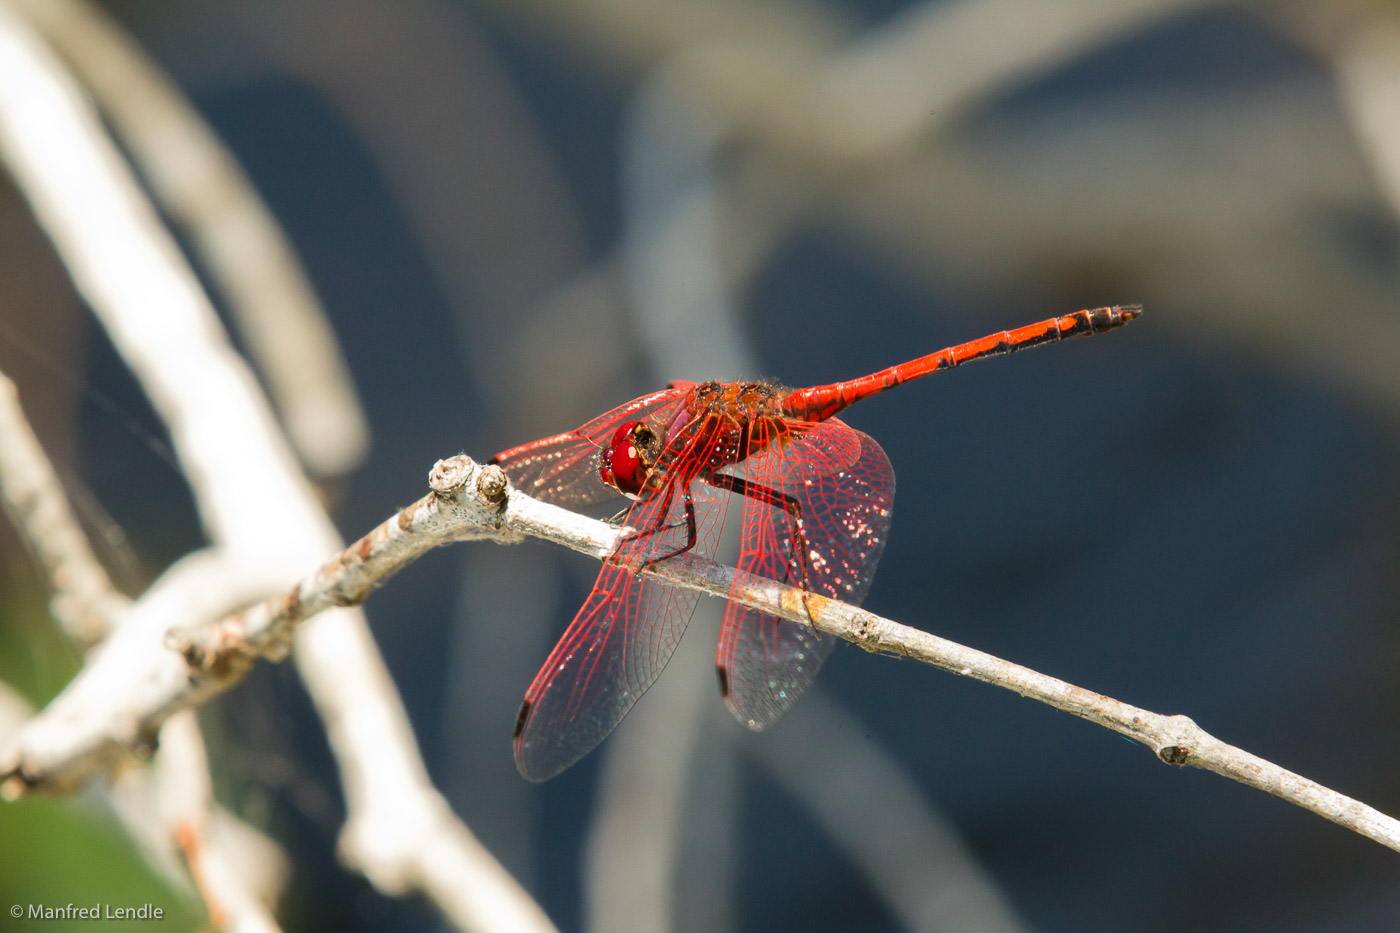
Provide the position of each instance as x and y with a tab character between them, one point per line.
450	475
491	483
1181	742
1174	754
179	641
866	630
220	650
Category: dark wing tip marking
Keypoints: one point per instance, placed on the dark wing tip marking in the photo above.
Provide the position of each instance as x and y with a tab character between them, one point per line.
521	718
723	676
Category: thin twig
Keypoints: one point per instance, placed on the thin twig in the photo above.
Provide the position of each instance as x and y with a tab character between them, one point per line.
470	502
89	608
205	191
84	603
187	807
1174	739
245	484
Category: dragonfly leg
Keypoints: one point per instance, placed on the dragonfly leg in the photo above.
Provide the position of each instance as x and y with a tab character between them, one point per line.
621	516
692	533
789	504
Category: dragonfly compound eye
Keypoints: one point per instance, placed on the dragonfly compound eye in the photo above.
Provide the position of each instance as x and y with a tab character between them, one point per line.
627	459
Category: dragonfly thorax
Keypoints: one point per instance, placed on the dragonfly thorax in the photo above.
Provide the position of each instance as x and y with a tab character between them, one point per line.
726	419
740	401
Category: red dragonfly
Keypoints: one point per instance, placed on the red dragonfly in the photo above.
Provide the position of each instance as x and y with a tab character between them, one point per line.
817	495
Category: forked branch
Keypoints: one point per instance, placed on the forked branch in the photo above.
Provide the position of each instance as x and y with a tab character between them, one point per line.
471	502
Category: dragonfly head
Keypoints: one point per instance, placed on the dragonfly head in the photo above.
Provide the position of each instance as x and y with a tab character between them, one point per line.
629	457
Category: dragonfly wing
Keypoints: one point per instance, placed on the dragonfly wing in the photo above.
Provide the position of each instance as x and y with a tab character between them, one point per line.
563	469
615	648
842	487
623	636
655	407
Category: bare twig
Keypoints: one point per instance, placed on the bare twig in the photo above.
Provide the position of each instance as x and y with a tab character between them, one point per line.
84	602
241	853
118	701
469	502
187	807
205	585
245	484
205	190
88	608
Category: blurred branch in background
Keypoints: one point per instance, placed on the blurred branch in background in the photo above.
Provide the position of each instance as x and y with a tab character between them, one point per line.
176	797
1361	43
906	849
202	188
85	604
671	280
967	207
399	832
497	236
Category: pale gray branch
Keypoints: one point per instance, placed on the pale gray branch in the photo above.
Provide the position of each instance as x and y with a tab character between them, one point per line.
255	503
470	502
186	805
203	189
89	608
84	603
